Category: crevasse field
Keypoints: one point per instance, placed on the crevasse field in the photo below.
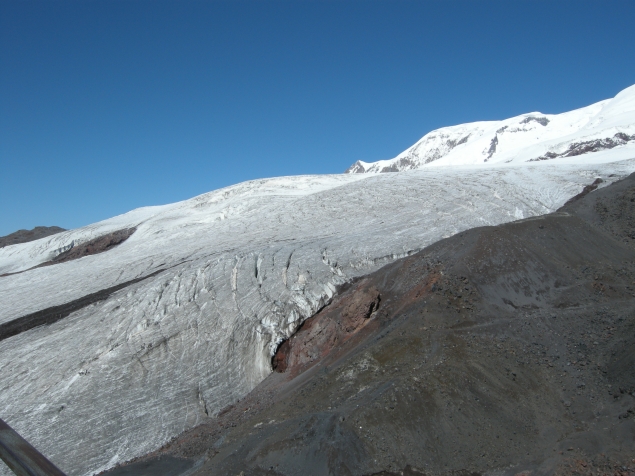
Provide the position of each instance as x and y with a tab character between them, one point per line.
239	269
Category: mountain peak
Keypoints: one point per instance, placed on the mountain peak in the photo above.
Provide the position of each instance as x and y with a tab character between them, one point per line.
524	138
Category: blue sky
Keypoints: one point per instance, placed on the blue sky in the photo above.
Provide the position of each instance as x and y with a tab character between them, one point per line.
106	106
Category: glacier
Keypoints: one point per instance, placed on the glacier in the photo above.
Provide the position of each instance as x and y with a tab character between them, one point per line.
212	285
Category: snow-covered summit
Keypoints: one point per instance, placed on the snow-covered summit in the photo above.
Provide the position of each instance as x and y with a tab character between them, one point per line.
528	137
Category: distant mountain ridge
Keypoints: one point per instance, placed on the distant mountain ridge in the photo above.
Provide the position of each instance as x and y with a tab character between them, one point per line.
24	236
525	138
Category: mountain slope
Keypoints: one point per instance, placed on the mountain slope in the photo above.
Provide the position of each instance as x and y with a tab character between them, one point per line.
24	236
501	350
158	333
529	137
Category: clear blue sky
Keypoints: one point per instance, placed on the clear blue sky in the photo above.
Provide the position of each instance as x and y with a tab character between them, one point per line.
106	106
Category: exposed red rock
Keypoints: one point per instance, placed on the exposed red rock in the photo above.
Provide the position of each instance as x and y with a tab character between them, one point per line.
320	334
92	247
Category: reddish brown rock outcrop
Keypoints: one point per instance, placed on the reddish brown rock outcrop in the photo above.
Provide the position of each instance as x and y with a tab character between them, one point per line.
92	247
24	236
320	334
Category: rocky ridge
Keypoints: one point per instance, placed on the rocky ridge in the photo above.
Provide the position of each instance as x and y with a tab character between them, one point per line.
24	236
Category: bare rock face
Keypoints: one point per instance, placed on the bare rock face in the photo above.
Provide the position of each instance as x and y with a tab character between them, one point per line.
360	308
586	147
320	334
93	247
24	236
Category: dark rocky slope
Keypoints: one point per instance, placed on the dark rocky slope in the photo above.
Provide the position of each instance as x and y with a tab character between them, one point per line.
95	246
500	350
24	236
53	314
